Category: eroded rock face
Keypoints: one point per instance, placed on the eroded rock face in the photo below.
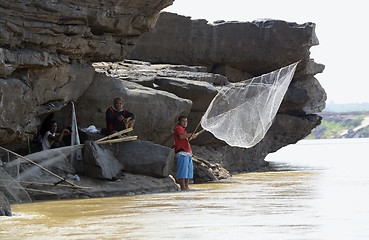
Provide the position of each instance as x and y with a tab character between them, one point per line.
99	162
82	30
183	82
205	171
239	51
192	83
46	51
155	110
36	84
47	47
200	88
304	96
146	158
253	47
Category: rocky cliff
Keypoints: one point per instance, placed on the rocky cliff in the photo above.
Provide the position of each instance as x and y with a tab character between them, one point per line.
238	51
48	49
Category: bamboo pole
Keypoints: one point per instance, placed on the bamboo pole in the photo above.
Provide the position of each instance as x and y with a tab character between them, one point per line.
115	134
15	161
194	131
47	184
197	134
124	139
31	189
51	173
201	131
41	191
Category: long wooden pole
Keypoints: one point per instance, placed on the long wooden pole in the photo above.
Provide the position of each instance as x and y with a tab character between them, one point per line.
47	184
29	160
16	161
115	134
30	189
124	139
41	191
194	131
197	134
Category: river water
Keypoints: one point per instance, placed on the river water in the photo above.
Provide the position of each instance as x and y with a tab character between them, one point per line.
315	189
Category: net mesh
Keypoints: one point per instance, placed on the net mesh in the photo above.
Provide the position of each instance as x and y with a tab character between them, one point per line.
18	173
241	113
12	190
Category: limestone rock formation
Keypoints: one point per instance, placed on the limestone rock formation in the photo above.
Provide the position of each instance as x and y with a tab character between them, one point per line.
191	83
233	159
304	96
253	47
155	110
99	162
82	30
241	50
145	158
46	51
34	84
238	50
205	171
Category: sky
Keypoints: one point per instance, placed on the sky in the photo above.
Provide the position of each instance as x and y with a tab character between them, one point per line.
341	28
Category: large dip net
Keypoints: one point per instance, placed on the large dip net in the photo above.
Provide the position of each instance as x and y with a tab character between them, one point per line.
20	176
11	188
241	113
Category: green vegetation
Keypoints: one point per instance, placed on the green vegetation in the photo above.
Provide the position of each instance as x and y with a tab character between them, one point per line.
340	126
354	123
364	131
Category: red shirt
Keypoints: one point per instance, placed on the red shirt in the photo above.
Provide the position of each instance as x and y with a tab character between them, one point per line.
181	143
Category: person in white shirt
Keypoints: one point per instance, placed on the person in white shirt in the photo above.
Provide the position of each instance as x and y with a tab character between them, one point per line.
51	139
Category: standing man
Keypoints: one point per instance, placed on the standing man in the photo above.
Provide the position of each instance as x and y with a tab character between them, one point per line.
183	153
117	118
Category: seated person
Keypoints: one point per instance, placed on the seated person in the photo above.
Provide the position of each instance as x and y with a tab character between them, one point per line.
51	139
117	118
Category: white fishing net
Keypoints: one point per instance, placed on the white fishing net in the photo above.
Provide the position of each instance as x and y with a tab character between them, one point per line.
55	160
241	113
21	176
11	188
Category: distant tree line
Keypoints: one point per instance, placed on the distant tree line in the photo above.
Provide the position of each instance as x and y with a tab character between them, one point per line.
346	107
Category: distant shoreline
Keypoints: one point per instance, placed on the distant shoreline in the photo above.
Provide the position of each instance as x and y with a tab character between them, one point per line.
347	107
354	124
